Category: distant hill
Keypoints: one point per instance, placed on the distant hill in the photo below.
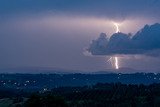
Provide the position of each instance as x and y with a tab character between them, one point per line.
53	70
36	70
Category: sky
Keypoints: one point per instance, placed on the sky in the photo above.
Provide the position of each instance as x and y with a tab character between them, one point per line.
58	33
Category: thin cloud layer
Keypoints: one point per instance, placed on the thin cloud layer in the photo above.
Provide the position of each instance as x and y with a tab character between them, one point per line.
146	41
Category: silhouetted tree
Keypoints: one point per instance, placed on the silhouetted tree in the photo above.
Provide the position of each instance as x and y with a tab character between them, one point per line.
45	101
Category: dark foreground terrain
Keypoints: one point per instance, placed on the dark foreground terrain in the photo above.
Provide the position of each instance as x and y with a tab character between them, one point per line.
99	95
107	90
37	82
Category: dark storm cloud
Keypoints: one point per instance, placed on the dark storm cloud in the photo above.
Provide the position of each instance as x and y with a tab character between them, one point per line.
118	9
146	41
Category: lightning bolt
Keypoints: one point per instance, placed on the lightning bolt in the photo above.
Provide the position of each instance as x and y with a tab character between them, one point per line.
116	63
114	60
117	27
111	61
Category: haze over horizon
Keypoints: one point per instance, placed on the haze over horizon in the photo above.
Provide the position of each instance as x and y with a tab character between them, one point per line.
56	33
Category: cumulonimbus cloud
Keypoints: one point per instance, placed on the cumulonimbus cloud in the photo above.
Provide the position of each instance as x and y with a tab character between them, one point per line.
145	41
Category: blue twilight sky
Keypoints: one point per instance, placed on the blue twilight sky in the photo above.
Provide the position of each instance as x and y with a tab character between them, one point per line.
55	33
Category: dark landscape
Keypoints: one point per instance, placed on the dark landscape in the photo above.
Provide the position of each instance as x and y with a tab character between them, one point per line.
80	90
79	53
